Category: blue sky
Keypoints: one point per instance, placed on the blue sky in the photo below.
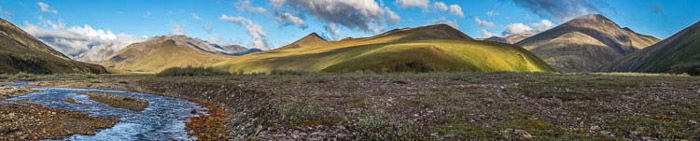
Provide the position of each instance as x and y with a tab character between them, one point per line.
659	18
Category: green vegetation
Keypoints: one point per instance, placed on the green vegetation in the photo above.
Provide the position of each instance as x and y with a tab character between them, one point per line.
192	71
422	49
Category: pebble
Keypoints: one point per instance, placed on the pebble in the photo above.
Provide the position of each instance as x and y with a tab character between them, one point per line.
595	127
692	122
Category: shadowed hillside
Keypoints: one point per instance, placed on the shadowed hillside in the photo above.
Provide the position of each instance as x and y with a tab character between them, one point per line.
678	54
165	52
20	52
585	44
421	49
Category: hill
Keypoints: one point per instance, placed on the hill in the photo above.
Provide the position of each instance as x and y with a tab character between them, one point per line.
510	39
678	54
585	44
20	52
421	49
165	52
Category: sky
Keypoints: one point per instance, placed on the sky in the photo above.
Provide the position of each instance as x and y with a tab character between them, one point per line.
77	26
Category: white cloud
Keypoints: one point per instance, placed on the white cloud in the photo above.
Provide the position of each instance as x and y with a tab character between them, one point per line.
486	34
82	42
288	18
222	41
247	6
46	8
196	17
517	28
256	31
393	17
561	10
532	28
412	3
177	30
491	13
332	29
443	20
7	14
441	6
366	15
456	10
483	23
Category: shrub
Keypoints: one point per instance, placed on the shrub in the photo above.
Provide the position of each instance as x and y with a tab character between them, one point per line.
192	71
289	72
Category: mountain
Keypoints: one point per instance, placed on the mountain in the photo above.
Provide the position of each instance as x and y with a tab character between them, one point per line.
510	39
20	52
165	52
585	44
421	49
678	54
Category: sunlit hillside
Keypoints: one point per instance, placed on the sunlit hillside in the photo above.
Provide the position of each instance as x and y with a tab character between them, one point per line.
421	49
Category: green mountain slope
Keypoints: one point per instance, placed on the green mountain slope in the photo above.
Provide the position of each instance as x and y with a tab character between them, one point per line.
162	53
422	49
20	52
678	54
585	44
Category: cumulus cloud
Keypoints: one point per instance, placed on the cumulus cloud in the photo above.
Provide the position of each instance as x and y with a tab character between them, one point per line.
443	20
486	34
256	31
288	18
483	23
247	6
393	17
441	6
82	42
46	8
412	3
177	30
456	10
196	17
365	15
561	10
332	29
533	28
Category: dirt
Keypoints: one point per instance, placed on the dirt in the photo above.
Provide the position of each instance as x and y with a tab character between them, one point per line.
118	101
7	92
437	106
25	120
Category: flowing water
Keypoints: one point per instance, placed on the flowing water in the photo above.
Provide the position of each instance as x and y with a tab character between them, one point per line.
164	119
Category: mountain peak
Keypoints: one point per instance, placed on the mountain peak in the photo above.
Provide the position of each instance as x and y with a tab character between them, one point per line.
437	31
313	36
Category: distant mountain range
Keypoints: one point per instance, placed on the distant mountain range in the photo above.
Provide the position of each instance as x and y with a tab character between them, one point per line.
585	44
510	39
679	53
172	51
421	49
21	52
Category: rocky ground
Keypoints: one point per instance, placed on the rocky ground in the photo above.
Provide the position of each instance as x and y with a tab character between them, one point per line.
451	106
118	101
25	120
7	92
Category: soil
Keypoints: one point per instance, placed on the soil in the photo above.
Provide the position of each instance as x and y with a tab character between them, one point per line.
25	120
118	101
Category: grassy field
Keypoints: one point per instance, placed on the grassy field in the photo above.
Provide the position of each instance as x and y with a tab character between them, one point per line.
401	50
434	106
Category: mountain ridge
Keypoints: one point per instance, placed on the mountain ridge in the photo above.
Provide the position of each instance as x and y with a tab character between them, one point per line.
585	44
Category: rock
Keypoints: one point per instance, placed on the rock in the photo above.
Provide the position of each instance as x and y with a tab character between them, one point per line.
606	133
595	127
692	122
